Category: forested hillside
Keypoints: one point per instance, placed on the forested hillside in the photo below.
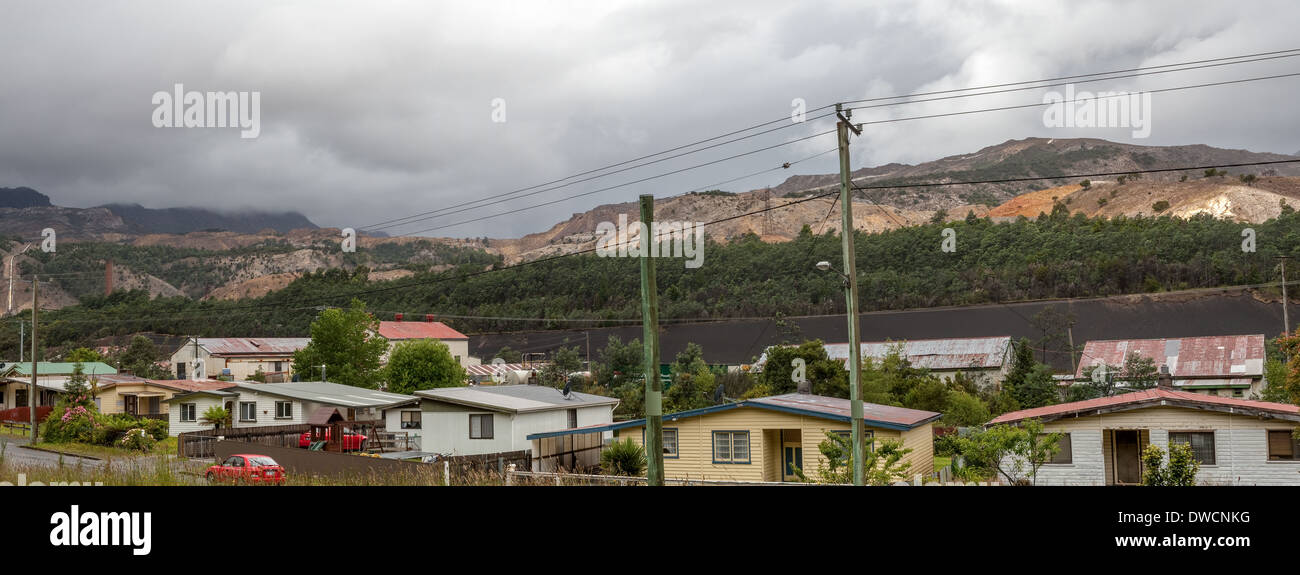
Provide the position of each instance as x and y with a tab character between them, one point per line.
1052	256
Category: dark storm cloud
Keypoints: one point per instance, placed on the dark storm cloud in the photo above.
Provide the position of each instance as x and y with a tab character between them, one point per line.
379	110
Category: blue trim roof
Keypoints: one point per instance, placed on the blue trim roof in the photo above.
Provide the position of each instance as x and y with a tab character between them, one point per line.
729	406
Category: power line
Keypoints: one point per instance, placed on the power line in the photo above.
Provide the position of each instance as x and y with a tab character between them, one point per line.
557	184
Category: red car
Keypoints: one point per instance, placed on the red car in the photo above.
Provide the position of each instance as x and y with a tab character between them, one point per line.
351	441
247	469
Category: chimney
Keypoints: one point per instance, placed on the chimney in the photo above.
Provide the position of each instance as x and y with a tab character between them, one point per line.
1164	380
397	317
428	317
804	387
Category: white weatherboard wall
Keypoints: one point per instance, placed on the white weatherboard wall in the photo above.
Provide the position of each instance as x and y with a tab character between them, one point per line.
202	402
1240	445
446	427
393	423
266	410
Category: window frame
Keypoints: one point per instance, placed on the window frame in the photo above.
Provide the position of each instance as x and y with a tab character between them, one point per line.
254	410
572	414
403	423
1068	450
1268	443
676	453
868	438
731	447
189	412
277	410
491	431
1214	444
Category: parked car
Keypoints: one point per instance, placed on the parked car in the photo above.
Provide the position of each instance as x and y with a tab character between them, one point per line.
247	468
351	441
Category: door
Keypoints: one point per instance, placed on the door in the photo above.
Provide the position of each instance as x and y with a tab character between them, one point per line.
1128	457
132	404
792	458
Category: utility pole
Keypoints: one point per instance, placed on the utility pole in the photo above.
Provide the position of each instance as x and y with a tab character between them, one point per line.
654	387
1286	320
851	293
22	338
32	397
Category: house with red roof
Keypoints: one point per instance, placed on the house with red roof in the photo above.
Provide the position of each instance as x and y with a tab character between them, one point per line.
398	330
1236	441
760	439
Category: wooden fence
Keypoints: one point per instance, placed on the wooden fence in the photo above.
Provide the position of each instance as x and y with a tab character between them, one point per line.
201	443
515	477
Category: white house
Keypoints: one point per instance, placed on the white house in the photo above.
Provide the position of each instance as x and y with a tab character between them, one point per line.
478	420
1237	441
263	404
238	357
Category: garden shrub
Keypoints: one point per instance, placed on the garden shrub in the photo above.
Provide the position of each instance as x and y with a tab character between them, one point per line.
137	440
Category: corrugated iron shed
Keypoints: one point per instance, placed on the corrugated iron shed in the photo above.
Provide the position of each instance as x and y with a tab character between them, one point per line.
400	330
1222	357
253	345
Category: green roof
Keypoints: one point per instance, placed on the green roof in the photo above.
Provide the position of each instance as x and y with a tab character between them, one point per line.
57	368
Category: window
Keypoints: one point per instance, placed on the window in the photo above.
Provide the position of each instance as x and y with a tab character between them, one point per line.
189	412
279	366
410	420
670	442
97	407
868	438
1238	393
1282	446
573	418
480	426
1202	443
247	411
731	447
1066	454
20	398
180	370
284	410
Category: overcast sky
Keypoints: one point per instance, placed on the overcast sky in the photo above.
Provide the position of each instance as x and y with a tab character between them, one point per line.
376	110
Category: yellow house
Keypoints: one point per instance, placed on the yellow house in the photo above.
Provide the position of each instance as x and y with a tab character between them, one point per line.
144	397
763	439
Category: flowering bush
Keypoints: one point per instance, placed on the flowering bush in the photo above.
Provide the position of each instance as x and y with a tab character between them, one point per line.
138	440
69	424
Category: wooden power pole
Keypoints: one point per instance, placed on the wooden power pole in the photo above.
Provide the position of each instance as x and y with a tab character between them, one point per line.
32	394
654	387
1286	320
851	296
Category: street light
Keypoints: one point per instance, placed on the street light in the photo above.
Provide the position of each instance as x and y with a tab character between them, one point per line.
826	266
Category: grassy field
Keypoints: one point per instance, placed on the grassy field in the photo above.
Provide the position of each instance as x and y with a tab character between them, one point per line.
164	447
941	462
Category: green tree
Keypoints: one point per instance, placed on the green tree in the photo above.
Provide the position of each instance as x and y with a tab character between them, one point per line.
83	355
422	364
141	359
623	458
881	465
77	389
826	376
347	342
1013	452
216	416
1179	471
564	360
965	410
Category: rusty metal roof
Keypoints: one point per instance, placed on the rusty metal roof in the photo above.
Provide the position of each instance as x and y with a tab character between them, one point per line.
418	330
842	408
953	353
1154	397
1227	357
253	345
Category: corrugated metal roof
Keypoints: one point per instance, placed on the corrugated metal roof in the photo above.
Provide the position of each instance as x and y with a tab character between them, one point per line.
253	345
489	369
1146	395
832	408
1236	356
945	354
400	330
328	393
60	368
843	408
514	398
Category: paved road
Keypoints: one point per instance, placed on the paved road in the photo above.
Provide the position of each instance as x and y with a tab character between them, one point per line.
16	452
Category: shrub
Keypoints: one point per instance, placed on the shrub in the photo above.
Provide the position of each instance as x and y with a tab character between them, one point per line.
137	440
156	427
1179	472
623	458
69	424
